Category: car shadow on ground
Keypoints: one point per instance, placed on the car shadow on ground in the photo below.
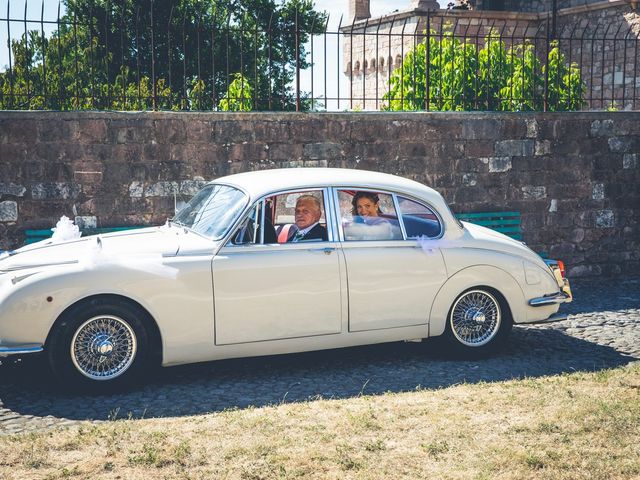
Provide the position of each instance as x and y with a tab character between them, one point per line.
345	373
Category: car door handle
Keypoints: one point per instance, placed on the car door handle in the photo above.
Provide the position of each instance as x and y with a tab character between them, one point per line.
326	250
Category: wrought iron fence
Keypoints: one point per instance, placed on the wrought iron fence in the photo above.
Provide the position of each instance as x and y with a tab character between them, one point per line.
151	55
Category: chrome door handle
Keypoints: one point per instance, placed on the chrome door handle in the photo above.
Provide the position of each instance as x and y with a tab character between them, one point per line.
327	250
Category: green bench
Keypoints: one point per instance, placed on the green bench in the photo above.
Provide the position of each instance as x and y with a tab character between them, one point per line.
33	236
503	222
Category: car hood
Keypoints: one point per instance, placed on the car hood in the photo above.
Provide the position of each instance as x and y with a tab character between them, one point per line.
124	246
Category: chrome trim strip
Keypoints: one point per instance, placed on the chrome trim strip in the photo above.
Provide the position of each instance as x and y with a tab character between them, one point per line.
556	317
333	225
15	268
20	349
193	254
548	300
339	237
262	224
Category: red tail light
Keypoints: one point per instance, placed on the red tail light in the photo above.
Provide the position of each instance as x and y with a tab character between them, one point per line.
561	267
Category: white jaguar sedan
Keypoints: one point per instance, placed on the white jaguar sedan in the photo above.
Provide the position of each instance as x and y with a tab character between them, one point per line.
271	262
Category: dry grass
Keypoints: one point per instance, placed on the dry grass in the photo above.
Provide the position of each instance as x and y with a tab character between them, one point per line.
566	427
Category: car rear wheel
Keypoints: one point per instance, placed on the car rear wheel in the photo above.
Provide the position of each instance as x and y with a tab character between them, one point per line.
101	344
478	323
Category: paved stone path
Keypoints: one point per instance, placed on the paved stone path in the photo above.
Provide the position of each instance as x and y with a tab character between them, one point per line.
602	331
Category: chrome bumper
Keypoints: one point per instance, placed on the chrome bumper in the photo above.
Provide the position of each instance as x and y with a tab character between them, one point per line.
6	350
559	297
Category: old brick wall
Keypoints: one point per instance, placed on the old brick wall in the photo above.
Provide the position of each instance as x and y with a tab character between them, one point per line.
574	176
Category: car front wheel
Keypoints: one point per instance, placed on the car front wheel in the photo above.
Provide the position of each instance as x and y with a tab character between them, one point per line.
478	324
99	345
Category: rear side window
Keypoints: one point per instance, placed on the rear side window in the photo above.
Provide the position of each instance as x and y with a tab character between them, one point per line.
368	215
419	220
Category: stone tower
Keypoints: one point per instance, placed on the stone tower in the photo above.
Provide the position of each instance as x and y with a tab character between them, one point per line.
359	10
425	5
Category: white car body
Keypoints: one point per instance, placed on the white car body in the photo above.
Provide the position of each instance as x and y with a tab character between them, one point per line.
211	299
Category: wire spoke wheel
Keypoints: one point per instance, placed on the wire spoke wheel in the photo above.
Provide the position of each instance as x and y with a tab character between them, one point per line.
475	318
103	347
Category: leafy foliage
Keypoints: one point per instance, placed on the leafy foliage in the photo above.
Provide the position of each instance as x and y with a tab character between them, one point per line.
238	97
171	54
446	73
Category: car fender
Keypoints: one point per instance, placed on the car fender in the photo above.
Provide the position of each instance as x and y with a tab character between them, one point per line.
31	306
470	277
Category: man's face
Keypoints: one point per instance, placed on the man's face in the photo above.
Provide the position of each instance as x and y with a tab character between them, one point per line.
307	213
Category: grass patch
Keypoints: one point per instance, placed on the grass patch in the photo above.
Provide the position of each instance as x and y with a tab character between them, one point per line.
582	425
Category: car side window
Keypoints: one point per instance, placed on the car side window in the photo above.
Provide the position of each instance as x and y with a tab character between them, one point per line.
419	220
287	218
299	217
368	215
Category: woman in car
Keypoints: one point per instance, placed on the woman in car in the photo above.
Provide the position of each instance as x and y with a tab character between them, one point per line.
366	205
367	213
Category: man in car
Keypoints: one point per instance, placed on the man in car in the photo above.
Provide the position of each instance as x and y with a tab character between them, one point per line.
307	216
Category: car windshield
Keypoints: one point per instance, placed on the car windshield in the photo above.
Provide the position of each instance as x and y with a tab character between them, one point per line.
212	210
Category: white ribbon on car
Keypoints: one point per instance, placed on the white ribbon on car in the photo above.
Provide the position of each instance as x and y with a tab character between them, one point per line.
430	245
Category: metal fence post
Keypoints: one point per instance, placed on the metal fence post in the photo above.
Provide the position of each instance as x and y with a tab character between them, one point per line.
297	34
546	70
154	101
427	59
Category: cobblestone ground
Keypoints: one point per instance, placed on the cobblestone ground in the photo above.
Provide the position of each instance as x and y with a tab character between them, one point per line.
602	331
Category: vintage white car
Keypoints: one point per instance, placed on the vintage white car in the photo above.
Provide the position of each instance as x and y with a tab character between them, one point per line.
271	262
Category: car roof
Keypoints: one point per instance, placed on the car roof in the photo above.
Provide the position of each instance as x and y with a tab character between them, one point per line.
262	182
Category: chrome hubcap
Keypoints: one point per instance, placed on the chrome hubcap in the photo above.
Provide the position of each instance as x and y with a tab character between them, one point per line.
103	348
479	317
475	318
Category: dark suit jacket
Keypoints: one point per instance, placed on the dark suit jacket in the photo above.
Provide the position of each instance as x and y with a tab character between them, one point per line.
316	233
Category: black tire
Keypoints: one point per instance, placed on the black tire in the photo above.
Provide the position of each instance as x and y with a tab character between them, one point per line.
99	345
478	323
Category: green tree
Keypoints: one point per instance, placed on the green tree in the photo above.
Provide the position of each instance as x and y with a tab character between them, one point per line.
165	54
444	73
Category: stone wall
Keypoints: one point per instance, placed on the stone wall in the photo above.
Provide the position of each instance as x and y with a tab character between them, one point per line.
573	176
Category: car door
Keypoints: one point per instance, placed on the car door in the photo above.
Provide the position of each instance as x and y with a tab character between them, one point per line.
392	280
266	290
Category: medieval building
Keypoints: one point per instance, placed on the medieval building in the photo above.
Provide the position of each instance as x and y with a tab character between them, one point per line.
601	36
